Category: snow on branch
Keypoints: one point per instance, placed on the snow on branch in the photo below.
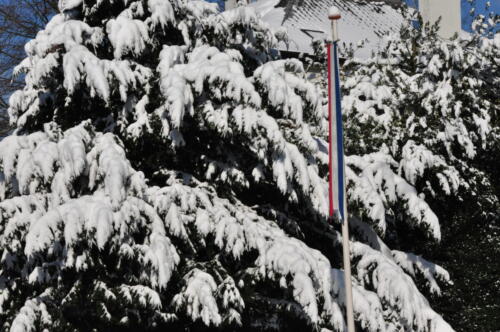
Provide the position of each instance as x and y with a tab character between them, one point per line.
34	312
378	186
198	298
80	66
414	265
287	92
127	35
396	290
162	12
416	159
64	32
367	306
118	205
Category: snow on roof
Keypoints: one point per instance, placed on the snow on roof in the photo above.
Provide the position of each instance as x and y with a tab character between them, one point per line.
306	20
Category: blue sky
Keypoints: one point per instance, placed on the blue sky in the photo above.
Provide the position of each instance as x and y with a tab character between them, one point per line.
220	2
480	9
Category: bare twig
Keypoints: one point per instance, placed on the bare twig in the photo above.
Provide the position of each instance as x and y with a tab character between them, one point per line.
20	21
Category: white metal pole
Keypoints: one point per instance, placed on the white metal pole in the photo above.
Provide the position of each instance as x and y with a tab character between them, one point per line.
334	16
347	275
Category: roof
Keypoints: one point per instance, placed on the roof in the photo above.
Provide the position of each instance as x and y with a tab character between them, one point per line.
306	20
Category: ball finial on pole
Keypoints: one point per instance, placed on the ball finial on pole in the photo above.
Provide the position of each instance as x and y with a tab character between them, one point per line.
333	13
334	16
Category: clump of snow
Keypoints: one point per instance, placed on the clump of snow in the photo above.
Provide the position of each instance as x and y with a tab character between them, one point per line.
413	264
377	185
396	289
127	35
162	12
68	4
287	91
34	311
198	297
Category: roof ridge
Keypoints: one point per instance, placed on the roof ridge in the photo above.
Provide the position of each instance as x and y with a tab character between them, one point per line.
289	6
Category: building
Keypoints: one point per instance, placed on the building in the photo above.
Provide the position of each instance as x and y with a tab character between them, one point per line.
364	21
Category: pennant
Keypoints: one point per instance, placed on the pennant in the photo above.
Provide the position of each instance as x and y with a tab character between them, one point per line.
337	191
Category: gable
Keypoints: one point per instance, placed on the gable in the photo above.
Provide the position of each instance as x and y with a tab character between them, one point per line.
304	20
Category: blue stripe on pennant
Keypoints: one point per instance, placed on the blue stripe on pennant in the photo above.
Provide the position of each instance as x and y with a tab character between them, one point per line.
340	134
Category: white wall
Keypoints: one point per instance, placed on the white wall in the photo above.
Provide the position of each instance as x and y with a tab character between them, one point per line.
230	4
449	11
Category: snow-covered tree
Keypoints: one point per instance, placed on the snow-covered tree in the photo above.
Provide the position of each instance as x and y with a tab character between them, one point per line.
169	170
431	105
382	99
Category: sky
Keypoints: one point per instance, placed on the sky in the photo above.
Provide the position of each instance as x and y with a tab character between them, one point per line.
219	2
480	9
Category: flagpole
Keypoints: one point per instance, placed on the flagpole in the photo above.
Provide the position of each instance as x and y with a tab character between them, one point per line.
338	201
